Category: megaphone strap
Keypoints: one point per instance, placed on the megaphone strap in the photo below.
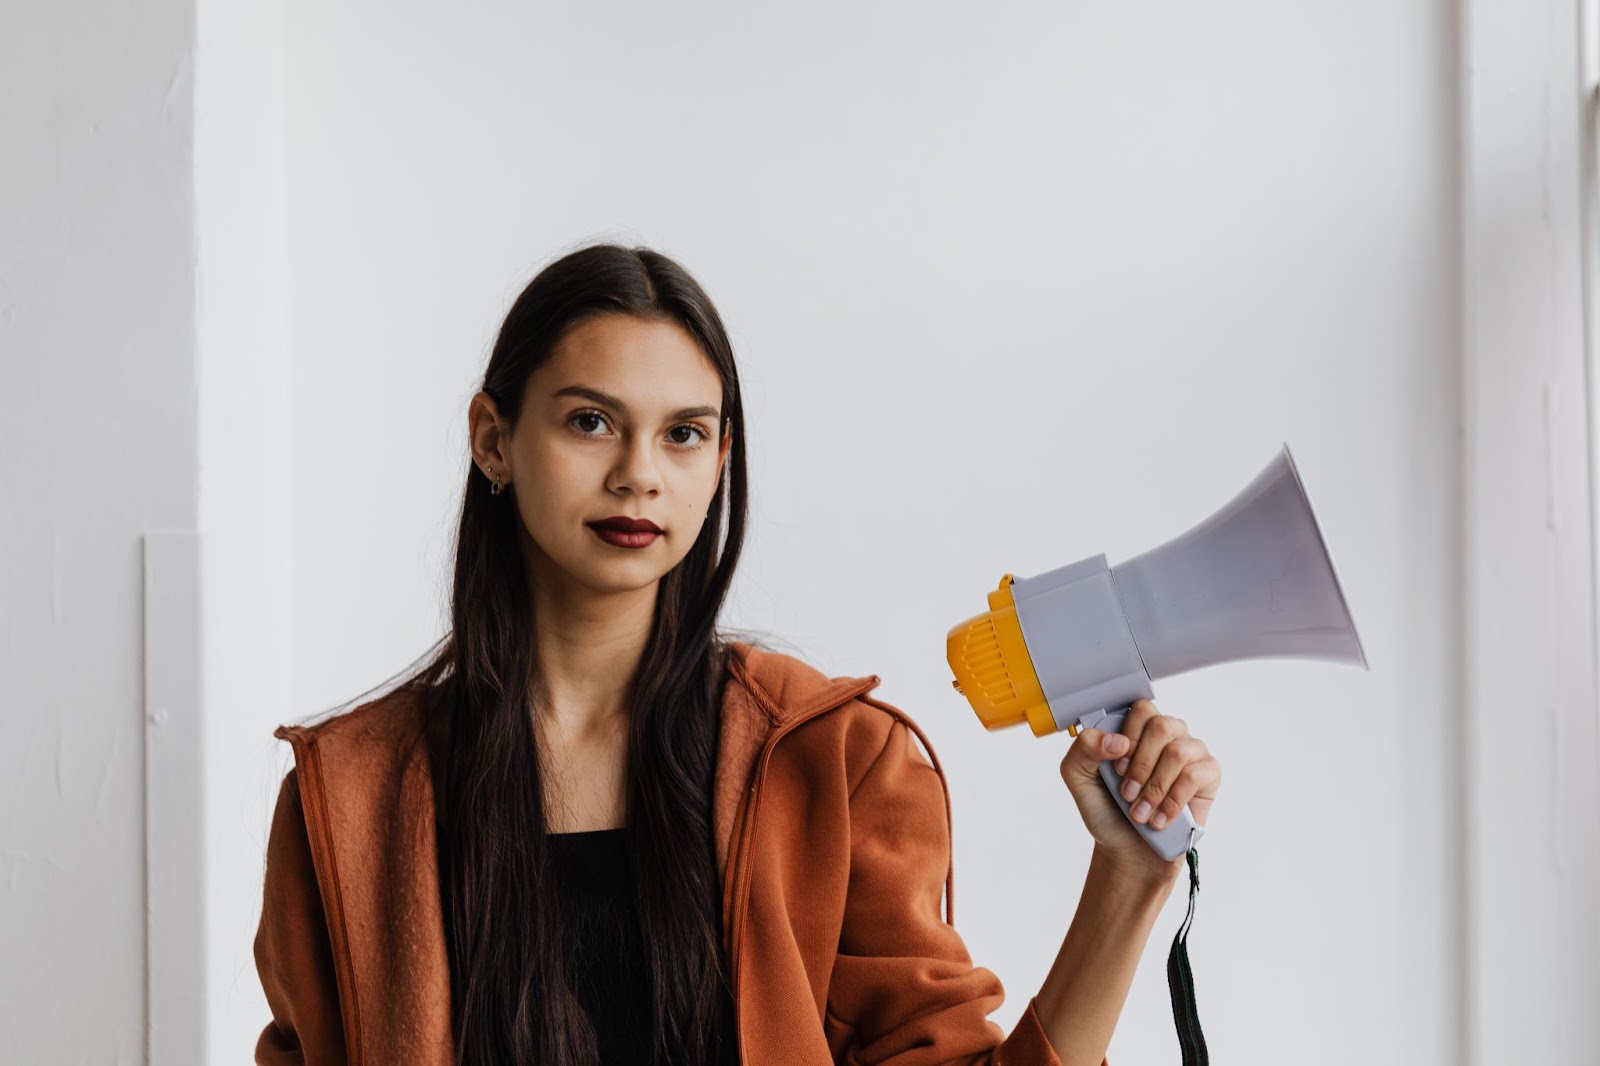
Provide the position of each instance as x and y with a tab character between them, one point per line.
1180	980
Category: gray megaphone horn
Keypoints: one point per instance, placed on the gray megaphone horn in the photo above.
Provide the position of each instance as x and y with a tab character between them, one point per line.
1074	647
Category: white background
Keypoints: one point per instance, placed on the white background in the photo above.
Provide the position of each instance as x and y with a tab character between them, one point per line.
1008	287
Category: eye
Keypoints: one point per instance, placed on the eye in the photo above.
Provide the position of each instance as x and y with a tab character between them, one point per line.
583	415
701	434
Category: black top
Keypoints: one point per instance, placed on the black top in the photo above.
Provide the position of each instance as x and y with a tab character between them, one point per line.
604	946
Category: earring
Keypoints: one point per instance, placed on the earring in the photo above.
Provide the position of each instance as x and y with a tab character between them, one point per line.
495	488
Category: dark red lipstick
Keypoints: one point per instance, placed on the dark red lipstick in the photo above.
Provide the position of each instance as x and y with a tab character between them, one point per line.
627	525
620	531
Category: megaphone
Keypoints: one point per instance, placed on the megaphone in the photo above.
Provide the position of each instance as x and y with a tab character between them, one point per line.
1074	647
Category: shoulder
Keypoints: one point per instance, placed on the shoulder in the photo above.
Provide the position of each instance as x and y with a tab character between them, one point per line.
786	686
376	740
394	714
832	720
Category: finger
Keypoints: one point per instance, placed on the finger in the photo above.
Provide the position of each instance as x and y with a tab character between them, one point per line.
1174	757
1156	734
1195	787
1133	726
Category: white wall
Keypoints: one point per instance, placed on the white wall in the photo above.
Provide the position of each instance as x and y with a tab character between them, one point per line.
97	453
1009	287
244	471
1533	737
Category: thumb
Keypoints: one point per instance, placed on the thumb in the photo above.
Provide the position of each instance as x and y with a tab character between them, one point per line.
1092	747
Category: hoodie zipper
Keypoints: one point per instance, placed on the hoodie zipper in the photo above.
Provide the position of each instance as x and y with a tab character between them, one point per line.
319	835
748	825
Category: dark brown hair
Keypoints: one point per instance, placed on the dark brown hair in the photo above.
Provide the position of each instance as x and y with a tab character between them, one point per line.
511	1004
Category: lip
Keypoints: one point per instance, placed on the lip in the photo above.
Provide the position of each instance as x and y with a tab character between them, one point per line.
624	524
619	538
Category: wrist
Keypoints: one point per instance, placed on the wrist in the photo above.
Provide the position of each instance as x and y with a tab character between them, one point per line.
1144	875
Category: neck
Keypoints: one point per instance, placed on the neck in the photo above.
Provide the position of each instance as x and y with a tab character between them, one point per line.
587	646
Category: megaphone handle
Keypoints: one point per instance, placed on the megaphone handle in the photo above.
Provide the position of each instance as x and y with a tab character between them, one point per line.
1177	836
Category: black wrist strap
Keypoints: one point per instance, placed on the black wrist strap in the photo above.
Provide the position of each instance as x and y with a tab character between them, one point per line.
1180	980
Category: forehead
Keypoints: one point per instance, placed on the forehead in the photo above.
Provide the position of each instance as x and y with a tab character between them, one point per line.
649	363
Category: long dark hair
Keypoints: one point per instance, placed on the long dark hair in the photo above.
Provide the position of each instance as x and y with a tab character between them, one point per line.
510	1000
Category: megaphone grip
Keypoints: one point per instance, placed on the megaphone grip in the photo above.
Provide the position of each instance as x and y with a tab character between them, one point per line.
1177	836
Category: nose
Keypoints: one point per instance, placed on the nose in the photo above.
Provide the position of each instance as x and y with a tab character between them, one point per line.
635	470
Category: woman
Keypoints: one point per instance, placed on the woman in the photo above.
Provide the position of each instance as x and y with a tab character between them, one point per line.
590	829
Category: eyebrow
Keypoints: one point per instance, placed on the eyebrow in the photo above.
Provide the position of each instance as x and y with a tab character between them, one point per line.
616	404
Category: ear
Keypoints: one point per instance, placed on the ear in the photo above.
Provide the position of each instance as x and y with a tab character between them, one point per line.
486	436
722	453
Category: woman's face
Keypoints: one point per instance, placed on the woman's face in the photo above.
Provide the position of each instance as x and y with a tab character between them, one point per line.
623	419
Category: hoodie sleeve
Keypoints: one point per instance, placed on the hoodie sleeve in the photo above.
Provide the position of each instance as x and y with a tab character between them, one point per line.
904	991
294	956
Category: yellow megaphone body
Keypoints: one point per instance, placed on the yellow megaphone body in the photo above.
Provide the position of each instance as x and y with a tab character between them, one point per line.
1074	647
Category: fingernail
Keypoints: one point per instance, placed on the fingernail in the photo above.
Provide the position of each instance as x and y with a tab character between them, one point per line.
1116	744
1160	820
1122	767
1130	790
1141	811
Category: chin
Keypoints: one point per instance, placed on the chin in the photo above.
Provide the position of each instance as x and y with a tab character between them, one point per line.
620	575
606	584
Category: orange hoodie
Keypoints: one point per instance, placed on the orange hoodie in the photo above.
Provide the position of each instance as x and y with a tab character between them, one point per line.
833	838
